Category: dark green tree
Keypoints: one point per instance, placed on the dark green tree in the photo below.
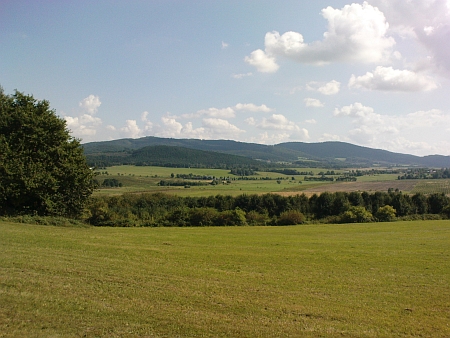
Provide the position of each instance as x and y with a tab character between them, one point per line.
42	167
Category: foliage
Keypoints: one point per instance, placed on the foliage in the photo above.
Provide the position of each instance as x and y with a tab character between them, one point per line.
173	156
42	168
290	217
356	215
385	214
111	182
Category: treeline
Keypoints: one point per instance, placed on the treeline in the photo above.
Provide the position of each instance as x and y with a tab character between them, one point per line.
176	157
425	173
268	209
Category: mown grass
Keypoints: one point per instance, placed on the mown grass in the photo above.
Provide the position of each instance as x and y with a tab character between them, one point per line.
360	280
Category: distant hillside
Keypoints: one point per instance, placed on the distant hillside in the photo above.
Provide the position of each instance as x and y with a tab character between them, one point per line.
173	156
251	150
325	154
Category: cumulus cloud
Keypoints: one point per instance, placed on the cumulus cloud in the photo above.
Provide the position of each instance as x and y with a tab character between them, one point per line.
84	125
221	127
264	63
389	79
309	102
330	88
131	129
356	33
278	122
414	132
428	22
228	112
270	138
212	128
212	112
144	116
90	104
253	108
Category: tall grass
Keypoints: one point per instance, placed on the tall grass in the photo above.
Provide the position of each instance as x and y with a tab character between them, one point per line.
360	280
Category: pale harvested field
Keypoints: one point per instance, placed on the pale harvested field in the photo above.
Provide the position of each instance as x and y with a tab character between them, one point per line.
403	185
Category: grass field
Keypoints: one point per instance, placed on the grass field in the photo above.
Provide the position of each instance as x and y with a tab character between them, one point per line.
145	179
359	280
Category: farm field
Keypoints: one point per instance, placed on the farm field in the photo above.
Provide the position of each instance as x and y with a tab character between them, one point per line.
359	280
146	178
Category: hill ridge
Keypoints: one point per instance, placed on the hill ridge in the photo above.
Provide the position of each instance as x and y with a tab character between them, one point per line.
328	153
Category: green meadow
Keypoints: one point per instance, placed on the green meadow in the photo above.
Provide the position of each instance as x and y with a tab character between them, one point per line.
358	280
146	178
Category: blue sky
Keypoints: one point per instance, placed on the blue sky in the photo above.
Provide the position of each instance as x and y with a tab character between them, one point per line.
373	73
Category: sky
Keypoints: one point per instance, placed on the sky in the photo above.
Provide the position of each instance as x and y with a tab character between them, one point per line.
374	73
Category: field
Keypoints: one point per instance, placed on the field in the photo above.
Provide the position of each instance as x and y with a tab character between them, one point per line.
145	179
360	280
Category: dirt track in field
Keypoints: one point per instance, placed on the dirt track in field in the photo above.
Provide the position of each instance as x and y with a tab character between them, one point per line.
403	185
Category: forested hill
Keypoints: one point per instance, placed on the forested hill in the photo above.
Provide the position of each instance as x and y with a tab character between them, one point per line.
172	156
307	154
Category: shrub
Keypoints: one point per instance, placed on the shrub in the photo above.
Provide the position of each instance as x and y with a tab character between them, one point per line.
356	215
385	214
290	217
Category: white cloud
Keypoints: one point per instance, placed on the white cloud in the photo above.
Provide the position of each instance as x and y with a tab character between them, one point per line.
329	88
221	128
228	112
272	138
389	79
144	116
356	33
250	121
311	121
411	133
264	63
240	76
309	102
330	137
427	22
212	112
84	125
224	45
280	123
212	128
131	129
253	108
90	104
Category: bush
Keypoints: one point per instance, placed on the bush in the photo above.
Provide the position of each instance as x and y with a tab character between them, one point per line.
356	215
290	217
255	218
385	214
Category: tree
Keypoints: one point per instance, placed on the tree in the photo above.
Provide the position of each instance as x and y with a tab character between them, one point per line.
290	217
356	215
385	214
42	167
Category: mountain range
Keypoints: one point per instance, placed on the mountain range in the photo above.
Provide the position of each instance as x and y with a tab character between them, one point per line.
323	154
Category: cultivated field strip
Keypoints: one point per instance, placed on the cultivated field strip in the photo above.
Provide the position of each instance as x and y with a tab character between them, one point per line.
432	187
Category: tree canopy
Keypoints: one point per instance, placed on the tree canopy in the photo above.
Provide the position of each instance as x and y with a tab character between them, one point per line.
43	169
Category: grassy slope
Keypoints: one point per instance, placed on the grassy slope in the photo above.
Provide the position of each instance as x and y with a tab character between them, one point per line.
371	280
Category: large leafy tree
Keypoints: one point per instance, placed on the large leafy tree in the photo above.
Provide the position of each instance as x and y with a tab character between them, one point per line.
43	170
